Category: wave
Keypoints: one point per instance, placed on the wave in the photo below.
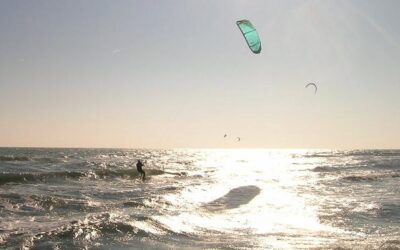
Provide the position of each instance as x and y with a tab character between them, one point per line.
103	229
386	165
49	160
390	244
13	158
372	153
333	154
48	176
337	168
103	173
42	204
325	169
361	166
29	177
371	208
370	177
320	155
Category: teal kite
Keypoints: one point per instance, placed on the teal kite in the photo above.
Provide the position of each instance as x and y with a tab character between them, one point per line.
250	34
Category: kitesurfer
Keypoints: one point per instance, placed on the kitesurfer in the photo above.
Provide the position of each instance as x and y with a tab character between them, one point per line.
139	168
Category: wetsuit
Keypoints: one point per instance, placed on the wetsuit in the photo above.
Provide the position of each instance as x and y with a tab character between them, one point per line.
139	166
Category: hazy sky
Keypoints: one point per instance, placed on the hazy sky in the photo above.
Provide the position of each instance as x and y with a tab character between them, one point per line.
175	73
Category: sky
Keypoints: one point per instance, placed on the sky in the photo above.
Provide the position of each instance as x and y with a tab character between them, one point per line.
178	74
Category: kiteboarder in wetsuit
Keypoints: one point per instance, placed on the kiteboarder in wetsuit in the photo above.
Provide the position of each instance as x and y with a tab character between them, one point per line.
139	166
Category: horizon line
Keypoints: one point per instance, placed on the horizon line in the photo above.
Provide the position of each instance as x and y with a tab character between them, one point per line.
194	148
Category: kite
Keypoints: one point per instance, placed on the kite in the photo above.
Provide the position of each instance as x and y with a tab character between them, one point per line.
251	35
312	84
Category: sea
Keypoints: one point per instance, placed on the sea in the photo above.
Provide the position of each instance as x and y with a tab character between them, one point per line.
199	199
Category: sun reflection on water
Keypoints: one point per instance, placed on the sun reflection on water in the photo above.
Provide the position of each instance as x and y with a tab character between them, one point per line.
278	208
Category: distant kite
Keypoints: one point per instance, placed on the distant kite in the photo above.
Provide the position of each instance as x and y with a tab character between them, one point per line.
251	35
312	84
238	138
225	135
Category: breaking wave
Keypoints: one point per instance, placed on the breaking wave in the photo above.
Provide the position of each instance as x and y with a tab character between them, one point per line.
100	229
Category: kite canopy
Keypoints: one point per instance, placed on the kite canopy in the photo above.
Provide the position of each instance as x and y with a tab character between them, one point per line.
314	85
250	34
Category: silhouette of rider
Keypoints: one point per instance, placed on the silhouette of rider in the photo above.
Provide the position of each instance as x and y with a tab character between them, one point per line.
139	166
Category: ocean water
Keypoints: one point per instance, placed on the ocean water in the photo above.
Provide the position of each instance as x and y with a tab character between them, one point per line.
199	199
